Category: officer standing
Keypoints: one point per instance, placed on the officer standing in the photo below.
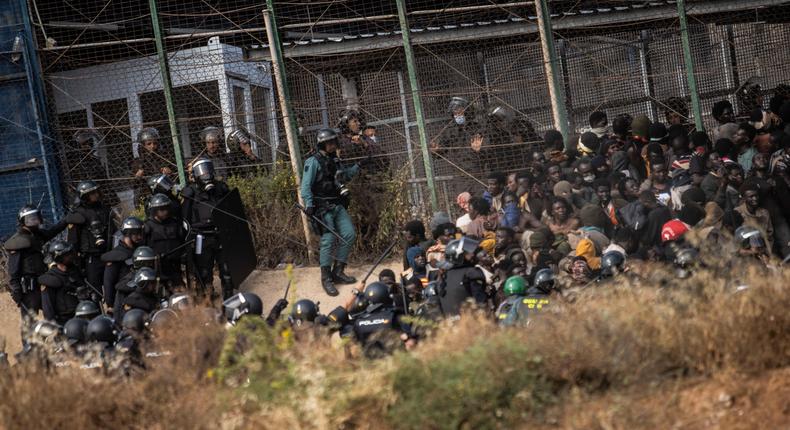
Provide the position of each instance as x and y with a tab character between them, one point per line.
115	260
164	234
90	228
63	286
325	193
161	184
215	151
200	199
25	260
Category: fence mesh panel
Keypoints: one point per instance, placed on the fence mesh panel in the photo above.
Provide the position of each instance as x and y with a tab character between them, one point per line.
102	73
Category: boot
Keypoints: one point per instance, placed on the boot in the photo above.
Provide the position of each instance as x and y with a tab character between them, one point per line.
326	281
340	277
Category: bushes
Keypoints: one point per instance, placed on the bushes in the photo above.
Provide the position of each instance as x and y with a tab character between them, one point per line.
611	347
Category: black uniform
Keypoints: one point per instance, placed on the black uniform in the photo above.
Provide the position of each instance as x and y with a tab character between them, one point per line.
164	237
139	299
175	206
62	291
88	224
122	290
26	264
379	329
197	208
116	266
459	284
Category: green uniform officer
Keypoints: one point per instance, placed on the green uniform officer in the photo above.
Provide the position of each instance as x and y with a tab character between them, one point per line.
325	197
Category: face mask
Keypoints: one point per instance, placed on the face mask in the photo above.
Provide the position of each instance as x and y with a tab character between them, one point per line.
460	120
589	178
374	139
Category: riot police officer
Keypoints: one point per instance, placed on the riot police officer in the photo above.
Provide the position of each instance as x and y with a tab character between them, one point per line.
161	184
324	193
463	279
143	256
90	228
165	233
242	304
25	259
63	285
116	265
380	327
215	151
521	302
144	296
200	199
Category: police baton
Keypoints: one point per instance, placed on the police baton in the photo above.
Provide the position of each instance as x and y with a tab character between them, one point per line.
322	224
378	261
101	296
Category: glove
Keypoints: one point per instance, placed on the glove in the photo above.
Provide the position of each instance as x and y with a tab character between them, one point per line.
16	296
280	306
310	211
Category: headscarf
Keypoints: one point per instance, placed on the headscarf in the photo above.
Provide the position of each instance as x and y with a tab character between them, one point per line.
586	249
463	200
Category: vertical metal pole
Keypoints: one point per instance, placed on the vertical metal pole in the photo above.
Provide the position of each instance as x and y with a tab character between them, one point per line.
646	68
566	83
411	68
167	88
417	190
552	66
37	101
289	120
696	107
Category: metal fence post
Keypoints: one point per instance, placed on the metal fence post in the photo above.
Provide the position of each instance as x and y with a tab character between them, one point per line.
167	89
289	120
696	107
411	68
552	66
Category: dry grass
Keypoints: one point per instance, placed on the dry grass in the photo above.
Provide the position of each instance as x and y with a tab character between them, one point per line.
638	354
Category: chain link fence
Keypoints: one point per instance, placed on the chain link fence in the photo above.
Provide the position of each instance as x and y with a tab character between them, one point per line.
104	83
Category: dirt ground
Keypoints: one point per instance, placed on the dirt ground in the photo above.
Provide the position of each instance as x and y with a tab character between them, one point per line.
268	284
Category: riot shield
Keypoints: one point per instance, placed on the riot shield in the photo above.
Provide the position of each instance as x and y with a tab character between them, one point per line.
234	236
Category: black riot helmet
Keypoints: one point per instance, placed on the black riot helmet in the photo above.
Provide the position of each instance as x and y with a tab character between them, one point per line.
612	263
748	237
500	114
75	329
209	132
179	302
148	133
143	256
87	309
132	225
159	201
686	259
101	329
162	319
29	216
304	310
236	138
203	172
242	304
324	136
457	103
86	187
142	278
134	320
87	137
59	250
457	249
339	316
347	115
160	184
378	293
544	280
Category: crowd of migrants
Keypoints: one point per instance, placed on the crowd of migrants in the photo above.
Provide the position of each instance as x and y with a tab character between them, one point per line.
561	219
